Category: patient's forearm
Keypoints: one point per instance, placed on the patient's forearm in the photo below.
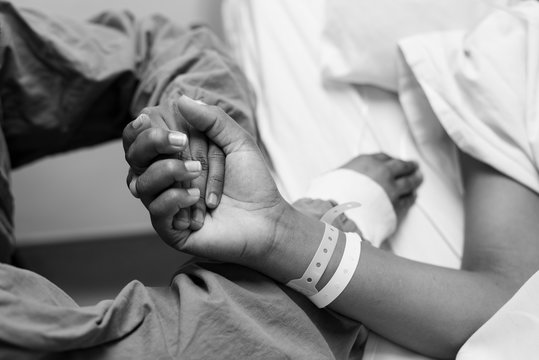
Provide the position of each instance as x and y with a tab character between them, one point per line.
429	309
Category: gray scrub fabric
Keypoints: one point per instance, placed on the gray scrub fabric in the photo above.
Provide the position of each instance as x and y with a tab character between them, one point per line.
65	85
209	311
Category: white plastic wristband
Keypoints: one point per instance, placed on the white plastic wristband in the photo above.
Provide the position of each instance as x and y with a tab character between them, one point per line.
307	283
340	280
330	216
376	217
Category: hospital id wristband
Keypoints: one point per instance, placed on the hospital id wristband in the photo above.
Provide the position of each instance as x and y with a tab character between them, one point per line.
310	278
333	213
307	283
340	280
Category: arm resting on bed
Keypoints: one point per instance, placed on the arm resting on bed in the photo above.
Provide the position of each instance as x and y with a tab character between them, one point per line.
434	310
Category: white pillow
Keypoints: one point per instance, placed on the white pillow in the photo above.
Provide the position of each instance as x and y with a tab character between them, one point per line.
359	39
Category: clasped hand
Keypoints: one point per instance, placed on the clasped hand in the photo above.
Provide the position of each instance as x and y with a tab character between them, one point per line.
243	227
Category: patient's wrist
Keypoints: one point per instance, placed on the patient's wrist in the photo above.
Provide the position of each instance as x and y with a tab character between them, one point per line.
313	258
297	238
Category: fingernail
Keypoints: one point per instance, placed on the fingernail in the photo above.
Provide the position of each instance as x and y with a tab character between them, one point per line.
185	97
193	166
198	216
139	121
212	200
133	187
177	139
193	192
199	102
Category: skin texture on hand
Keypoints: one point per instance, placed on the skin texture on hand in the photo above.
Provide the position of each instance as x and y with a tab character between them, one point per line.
242	227
172	143
429	309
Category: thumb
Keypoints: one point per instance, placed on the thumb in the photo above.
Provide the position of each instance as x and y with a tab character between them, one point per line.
215	124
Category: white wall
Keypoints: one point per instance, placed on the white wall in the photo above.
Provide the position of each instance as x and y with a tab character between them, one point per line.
83	194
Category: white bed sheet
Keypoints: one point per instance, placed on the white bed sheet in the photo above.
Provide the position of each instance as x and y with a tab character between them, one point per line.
483	85
310	127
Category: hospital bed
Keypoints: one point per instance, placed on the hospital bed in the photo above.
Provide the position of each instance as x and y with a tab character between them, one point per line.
325	96
310	125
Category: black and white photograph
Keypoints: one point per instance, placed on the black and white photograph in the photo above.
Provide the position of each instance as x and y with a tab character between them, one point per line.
269	179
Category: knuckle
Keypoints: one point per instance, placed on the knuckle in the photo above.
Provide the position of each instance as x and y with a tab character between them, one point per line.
407	183
215	180
155	134
198	152
200	205
127	133
156	209
218	115
130	158
396	166
141	185
408	167
204	164
217	126
164	205
129	155
199	155
169	166
216	156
